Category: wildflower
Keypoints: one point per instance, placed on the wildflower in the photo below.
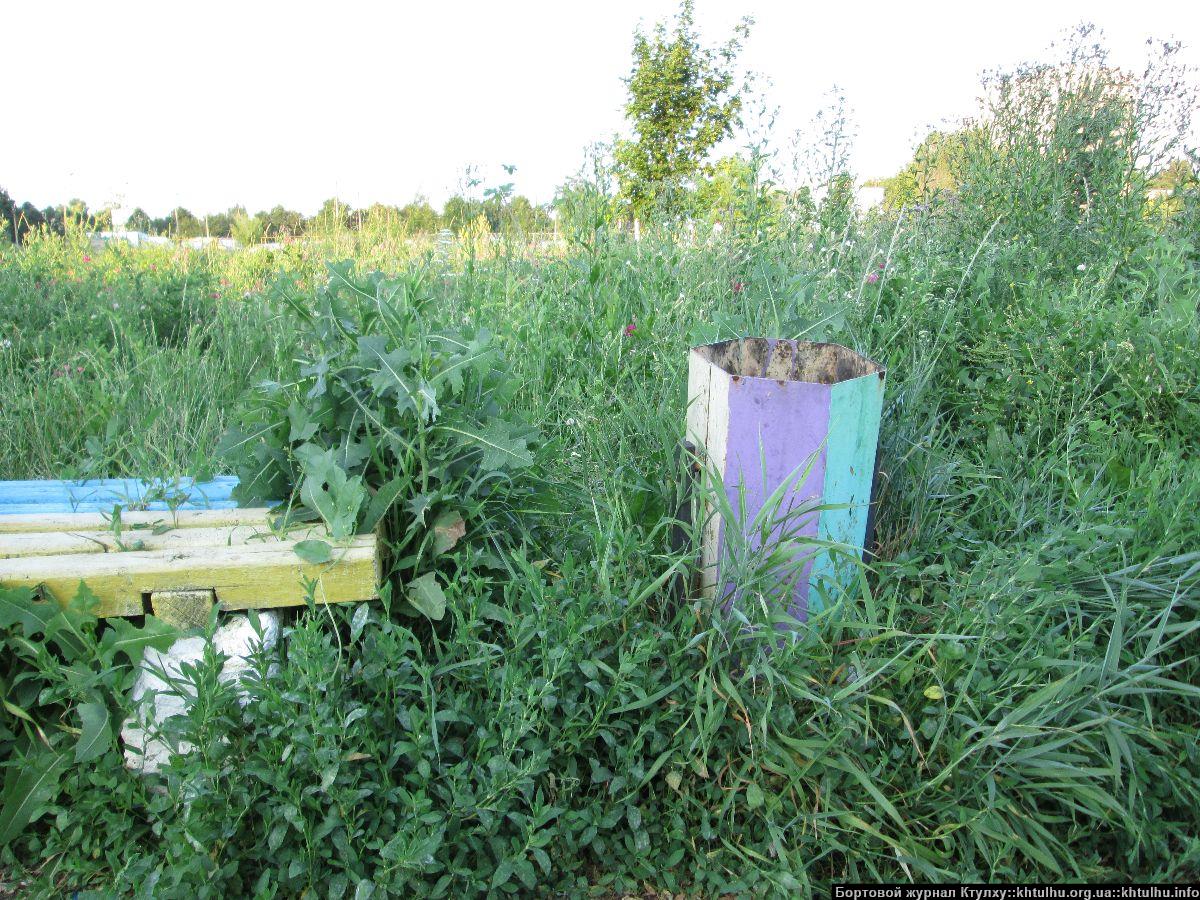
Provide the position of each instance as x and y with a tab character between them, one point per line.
116	306
79	370
224	282
882	264
737	286
1082	267
87	258
630	328
5	344
570	422
153	267
215	295
872	278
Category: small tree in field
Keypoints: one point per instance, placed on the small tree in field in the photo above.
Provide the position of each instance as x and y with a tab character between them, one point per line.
139	220
682	103
247	230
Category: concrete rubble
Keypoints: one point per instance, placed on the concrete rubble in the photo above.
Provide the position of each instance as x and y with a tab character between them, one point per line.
161	690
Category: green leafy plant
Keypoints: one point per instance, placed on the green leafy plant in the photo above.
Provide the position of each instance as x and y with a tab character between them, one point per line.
64	682
389	423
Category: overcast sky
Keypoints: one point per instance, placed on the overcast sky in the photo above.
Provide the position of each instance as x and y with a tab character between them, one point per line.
210	104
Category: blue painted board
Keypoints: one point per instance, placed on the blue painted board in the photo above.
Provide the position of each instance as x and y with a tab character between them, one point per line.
100	494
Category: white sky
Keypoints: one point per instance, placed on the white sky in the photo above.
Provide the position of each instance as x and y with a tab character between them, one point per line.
210	103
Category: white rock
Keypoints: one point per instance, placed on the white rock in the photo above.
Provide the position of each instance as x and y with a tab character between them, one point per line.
162	690
237	641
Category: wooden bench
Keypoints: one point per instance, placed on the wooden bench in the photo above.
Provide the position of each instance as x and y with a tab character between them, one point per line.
174	550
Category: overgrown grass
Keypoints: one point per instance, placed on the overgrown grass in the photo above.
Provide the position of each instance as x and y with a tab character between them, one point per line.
1012	694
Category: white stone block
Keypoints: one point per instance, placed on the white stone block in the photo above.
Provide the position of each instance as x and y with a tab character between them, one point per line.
163	691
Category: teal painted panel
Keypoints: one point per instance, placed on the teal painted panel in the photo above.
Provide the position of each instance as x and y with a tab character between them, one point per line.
855	408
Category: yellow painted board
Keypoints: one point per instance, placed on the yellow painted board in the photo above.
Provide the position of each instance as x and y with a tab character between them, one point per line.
194	518
57	543
256	574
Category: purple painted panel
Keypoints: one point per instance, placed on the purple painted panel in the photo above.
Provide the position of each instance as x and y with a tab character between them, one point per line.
781	425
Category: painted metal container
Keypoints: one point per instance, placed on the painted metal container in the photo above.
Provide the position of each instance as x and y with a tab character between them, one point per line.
763	412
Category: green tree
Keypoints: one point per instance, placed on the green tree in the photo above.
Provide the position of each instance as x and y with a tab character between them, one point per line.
419	217
459	212
723	195
282	223
30	218
164	225
8	217
931	172
218	224
682	103
332	216
247	230
522	217
139	220
76	209
182	224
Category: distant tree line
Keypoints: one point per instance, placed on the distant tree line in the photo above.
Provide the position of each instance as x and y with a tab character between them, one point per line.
500	212
18	219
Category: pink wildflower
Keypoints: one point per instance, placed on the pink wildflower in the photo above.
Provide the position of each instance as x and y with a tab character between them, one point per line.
215	295
881	265
737	286
630	328
87	258
872	278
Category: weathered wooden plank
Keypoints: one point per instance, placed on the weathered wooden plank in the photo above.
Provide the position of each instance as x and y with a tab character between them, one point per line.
101	494
760	412
183	609
257	575
113	490
856	407
42	486
88	506
58	543
707	428
98	521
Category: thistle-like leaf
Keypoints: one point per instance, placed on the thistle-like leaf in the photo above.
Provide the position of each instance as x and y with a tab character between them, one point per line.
504	446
